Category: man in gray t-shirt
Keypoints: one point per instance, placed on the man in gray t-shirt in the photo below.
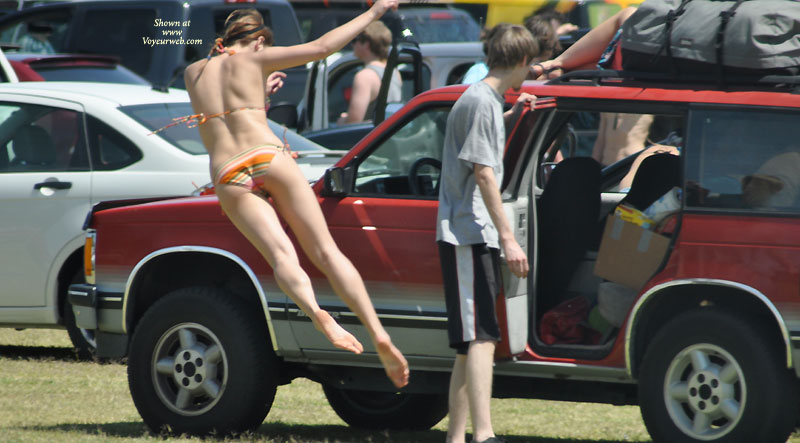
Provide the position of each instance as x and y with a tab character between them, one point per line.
471	226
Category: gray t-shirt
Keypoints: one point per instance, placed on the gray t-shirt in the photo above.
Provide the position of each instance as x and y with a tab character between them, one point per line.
475	134
395	94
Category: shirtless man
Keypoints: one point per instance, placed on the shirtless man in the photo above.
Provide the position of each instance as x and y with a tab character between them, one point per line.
249	163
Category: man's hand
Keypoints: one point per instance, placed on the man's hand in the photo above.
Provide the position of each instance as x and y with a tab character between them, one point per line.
515	257
525	100
274	82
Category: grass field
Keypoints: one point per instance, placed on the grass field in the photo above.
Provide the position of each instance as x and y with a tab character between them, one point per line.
47	395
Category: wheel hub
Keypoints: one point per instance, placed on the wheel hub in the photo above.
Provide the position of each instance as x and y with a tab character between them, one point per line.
705	391
190	369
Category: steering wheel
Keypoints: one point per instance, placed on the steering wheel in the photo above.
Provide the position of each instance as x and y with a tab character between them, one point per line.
413	173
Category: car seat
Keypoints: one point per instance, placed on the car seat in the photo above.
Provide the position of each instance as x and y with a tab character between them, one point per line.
33	148
568	210
656	175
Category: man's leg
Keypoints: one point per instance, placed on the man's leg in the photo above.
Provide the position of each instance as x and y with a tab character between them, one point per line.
458	401
479	368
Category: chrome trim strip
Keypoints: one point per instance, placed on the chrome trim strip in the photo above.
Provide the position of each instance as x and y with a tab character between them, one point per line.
380	316
207	250
632	319
562	370
401	317
111	298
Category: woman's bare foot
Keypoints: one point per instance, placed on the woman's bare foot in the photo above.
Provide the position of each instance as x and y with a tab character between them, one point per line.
393	362
335	333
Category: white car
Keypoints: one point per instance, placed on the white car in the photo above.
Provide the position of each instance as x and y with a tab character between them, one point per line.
66	146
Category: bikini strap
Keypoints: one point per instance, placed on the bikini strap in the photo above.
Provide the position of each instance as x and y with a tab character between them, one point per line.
219	49
195	120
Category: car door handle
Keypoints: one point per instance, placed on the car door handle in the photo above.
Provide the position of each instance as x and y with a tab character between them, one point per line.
53	185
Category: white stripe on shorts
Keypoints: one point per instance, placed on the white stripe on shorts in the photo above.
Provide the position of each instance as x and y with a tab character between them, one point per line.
466	290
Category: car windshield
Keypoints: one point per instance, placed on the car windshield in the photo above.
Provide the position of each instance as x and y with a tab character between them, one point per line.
441	27
110	74
157	115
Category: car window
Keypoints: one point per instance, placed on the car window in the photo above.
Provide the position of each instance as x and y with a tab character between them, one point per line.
158	115
111	74
743	160
408	163
110	150
112	31
438	26
39	33
618	141
340	86
41	138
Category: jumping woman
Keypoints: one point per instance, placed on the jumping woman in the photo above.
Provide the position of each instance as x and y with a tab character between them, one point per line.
249	163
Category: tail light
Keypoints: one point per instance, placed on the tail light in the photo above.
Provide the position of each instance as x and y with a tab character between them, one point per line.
88	256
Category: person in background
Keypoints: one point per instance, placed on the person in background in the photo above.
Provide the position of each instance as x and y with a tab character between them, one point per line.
37	40
371	47
471	226
556	19
545	36
598	48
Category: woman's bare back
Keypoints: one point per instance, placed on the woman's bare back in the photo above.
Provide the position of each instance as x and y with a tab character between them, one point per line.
229	83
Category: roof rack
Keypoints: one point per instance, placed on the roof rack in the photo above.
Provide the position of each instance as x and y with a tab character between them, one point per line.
595	77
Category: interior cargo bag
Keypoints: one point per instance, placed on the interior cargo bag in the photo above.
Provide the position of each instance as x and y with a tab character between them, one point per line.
629	254
719	40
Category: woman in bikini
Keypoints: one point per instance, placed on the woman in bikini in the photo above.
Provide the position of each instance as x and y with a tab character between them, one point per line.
248	162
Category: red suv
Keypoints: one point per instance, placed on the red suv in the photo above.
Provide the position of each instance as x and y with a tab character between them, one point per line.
674	287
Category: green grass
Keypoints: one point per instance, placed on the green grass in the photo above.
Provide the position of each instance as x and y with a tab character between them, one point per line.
47	395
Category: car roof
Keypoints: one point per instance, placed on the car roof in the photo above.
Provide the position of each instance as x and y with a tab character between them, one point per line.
119	94
653	92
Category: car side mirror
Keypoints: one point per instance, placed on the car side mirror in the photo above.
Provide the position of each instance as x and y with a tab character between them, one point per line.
336	181
284	113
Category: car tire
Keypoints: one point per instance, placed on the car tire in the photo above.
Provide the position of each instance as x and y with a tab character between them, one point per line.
387	410
711	375
200	362
83	340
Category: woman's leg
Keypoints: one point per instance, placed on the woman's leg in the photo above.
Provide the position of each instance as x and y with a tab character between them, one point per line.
299	207
257	221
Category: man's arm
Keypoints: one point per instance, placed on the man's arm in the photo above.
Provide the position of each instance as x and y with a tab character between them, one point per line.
490	191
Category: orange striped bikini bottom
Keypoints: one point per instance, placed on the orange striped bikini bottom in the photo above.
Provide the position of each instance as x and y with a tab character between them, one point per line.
247	169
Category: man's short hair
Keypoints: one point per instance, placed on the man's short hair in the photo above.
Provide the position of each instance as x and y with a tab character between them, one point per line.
544	34
509	45
378	37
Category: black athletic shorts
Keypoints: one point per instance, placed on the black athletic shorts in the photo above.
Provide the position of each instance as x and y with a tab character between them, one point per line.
472	282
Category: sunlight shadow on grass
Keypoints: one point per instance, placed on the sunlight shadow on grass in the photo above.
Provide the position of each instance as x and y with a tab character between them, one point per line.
38	353
280	432
344	434
119	429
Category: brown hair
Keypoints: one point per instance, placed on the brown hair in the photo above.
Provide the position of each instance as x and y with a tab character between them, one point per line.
509	45
378	37
243	25
544	34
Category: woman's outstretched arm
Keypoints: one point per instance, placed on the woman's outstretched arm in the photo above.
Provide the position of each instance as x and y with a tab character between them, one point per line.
282	57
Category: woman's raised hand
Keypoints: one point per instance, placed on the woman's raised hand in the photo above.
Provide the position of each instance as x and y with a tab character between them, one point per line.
382	6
